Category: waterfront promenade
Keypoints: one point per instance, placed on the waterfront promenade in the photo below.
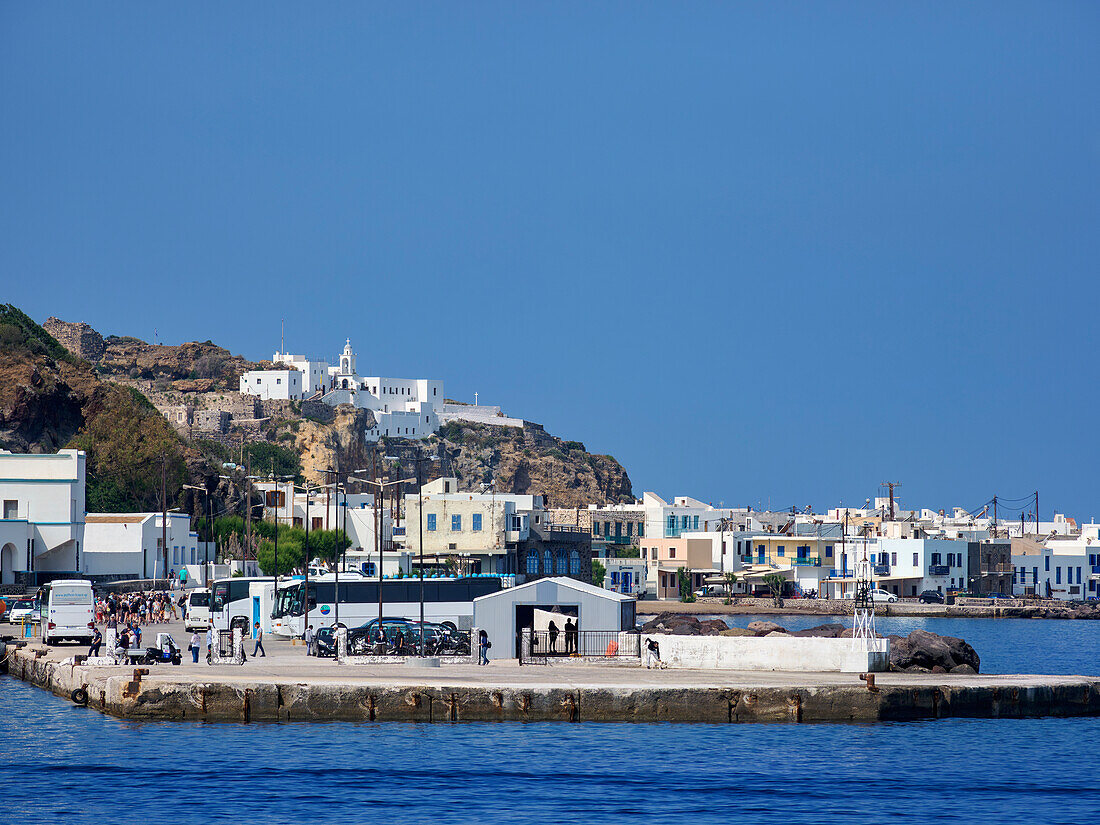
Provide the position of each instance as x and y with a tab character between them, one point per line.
287	685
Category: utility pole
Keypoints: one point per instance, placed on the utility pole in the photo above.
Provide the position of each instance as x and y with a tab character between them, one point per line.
163	516
891	485
247	509
994	517
1036	512
275	484
305	620
420	494
377	532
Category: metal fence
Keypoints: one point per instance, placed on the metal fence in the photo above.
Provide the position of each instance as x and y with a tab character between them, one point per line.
537	646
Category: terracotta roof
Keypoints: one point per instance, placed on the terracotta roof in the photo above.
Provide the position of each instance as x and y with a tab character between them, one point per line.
112	518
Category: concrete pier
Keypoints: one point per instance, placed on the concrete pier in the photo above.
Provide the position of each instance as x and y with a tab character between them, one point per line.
298	689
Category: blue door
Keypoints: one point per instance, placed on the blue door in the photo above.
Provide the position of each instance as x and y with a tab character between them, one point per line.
255	613
627	582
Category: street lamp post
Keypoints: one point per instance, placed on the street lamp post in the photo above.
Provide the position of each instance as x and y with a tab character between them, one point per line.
209	527
381	486
420	508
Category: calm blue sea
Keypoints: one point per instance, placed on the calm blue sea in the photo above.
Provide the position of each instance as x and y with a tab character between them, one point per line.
1004	645
66	764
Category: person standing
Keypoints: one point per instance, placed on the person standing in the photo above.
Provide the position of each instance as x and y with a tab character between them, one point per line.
209	642
258	648
553	628
194	647
570	636
97	641
309	640
483	645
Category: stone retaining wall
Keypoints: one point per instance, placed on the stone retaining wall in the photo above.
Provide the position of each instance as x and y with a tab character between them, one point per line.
131	694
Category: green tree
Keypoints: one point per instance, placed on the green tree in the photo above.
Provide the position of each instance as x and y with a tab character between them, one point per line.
686	595
598	573
775	584
730	580
291	550
130	448
265	456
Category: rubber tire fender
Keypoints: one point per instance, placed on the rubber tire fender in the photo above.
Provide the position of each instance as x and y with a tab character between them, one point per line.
79	697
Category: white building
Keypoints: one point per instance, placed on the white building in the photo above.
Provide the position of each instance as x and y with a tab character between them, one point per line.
283	385
683	514
1060	566
130	546
404	407
353	513
315	373
42	530
903	566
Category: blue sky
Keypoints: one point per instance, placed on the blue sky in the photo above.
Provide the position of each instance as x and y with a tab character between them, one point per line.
767	252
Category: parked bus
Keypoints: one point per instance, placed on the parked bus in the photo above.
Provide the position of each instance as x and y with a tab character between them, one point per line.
242	598
67	611
445	600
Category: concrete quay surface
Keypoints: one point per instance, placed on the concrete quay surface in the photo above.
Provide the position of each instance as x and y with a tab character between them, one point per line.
288	686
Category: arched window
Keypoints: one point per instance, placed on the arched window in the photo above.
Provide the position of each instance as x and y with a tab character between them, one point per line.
574	563
560	567
344	384
532	562
547	563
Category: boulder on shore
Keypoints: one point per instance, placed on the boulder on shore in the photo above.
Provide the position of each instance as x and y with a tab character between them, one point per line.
764	628
929	650
822	631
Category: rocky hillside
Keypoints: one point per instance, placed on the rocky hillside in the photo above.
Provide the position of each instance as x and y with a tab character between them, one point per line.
43	388
514	460
62	387
337	445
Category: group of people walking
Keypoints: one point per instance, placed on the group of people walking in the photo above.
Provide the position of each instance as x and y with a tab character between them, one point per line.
146	607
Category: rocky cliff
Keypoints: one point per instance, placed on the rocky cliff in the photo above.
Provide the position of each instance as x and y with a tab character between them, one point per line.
336	445
190	367
50	397
42	388
525	460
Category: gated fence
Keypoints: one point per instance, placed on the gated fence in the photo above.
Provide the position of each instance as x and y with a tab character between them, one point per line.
539	646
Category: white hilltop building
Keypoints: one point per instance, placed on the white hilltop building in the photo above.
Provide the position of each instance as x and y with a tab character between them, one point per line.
402	407
405	407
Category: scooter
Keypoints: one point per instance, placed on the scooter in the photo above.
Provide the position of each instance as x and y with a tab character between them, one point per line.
165	651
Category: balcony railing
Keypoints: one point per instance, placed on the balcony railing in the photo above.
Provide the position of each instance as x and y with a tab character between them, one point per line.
807	561
616	538
939	570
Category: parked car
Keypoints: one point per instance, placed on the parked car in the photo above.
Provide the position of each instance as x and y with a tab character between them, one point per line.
711	590
23	610
930	597
325	642
877	594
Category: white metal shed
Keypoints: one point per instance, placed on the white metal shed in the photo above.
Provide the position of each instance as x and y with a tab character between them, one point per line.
503	613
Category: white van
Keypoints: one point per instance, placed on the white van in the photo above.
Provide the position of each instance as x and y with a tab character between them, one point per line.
67	611
198	609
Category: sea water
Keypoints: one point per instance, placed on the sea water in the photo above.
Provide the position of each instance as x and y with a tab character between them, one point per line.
61	763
